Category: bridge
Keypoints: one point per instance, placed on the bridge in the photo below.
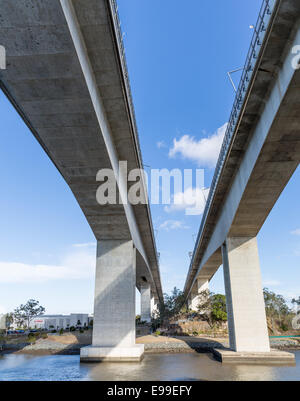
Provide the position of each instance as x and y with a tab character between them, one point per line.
260	152
67	78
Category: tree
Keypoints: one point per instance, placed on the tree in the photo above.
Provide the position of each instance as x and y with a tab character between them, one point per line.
25	313
276	307
173	303
296	301
218	305
212	307
9	320
19	319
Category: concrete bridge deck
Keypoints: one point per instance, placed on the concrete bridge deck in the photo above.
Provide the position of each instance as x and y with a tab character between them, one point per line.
66	76
261	151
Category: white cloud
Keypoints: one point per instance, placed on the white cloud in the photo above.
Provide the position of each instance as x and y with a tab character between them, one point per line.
75	265
85	245
192	200
204	152
160	144
271	283
169	225
296	232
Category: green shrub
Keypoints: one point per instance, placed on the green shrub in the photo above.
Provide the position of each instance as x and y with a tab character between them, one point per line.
44	335
61	332
157	333
72	328
284	327
81	330
31	338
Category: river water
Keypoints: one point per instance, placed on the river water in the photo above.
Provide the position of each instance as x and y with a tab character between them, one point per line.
159	367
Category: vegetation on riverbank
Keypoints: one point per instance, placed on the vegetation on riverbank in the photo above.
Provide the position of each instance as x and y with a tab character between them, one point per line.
210	318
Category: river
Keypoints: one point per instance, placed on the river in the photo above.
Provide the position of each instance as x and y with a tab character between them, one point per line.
159	367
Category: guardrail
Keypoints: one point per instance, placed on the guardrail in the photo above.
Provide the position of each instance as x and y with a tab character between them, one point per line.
119	34
117	25
264	17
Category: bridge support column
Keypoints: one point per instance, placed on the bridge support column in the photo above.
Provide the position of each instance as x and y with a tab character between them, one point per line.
202	284
194	300
146	303
114	310
154	307
189	302
247	322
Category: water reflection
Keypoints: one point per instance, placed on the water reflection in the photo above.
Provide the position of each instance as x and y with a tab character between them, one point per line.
189	367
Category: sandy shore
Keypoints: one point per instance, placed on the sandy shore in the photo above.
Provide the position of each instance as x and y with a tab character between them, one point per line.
70	344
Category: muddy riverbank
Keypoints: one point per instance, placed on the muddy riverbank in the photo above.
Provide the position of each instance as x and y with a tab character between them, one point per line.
69	344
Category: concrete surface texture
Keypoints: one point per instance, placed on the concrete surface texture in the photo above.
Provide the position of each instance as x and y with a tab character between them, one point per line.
275	357
154	307
114	311
263	154
67	79
146	303
201	285
247	323
265	149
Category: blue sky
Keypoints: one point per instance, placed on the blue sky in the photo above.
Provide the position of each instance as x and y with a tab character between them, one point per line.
178	55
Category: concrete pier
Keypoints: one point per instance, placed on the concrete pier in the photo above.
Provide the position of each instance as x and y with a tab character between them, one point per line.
201	285
154	307
247	323
275	357
114	312
74	95
146	303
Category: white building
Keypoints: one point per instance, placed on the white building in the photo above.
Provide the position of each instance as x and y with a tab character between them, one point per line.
3	321
57	322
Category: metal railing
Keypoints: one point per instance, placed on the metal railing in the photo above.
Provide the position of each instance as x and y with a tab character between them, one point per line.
264	18
118	30
119	34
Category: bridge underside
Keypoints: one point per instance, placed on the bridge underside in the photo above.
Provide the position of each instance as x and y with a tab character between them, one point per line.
67	78
45	82
257	193
266	148
262	157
